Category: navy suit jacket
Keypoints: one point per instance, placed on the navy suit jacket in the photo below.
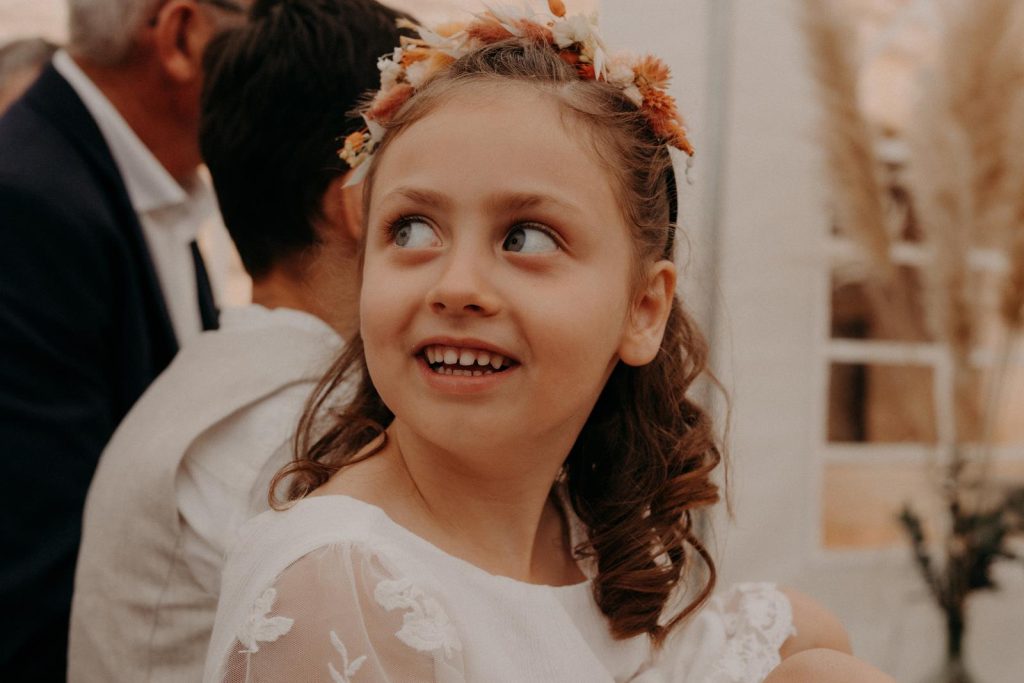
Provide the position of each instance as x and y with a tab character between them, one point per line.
83	330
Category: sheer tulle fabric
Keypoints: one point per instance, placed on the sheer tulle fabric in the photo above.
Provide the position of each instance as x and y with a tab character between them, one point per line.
333	590
338	614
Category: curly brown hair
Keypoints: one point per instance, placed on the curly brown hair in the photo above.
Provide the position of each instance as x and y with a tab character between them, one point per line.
641	468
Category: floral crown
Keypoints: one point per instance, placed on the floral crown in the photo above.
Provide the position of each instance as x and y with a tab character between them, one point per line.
575	39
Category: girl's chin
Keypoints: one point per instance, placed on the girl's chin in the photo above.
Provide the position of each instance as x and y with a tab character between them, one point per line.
462	432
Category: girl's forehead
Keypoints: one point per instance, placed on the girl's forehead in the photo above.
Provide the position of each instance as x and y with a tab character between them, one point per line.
519	131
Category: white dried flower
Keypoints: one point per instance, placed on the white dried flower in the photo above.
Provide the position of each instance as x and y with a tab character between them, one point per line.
620	69
416	73
634	95
575	29
390	72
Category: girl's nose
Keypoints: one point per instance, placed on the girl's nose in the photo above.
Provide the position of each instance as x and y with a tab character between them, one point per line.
464	287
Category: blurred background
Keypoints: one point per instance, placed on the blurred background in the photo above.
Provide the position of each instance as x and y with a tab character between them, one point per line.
842	411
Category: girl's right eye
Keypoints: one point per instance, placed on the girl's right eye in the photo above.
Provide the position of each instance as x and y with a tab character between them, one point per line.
414	233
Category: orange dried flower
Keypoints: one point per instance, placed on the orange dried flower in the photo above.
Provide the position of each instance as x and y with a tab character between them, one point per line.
679	140
411	55
487	31
569	57
557	7
440	60
385	104
666	122
534	32
354	141
586	71
652	72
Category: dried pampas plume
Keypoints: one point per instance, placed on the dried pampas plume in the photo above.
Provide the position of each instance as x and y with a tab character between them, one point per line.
967	180
849	152
859	201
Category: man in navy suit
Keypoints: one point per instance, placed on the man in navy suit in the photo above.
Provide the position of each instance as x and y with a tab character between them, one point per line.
100	280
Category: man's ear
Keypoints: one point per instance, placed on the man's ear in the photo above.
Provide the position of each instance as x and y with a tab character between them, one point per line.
341	208
180	34
648	315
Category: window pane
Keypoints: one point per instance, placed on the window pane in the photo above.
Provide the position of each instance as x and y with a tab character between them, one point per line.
862	502
854	318
881	404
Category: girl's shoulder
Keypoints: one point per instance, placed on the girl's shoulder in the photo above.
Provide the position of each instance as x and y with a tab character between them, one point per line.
757	619
815	627
736	637
309	523
326	578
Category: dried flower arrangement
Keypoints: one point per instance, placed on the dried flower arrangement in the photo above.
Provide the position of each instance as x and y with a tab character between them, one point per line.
966	178
575	38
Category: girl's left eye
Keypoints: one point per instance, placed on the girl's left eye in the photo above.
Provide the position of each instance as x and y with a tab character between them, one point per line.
527	239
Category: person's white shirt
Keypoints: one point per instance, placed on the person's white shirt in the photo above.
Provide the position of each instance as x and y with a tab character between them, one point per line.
190	463
170	214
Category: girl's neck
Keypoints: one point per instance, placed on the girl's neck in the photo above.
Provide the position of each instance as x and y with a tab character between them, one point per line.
505	523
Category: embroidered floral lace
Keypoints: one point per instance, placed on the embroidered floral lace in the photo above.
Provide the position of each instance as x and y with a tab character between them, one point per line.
332	590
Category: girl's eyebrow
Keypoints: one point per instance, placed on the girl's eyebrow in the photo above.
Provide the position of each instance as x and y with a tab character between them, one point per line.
423	196
524	201
511	202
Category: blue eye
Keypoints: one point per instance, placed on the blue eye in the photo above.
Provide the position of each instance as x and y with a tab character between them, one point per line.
414	233
525	239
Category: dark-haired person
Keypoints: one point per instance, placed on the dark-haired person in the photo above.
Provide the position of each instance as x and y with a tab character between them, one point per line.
194	457
100	279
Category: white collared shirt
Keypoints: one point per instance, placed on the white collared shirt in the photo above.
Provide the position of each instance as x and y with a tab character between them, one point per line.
169	213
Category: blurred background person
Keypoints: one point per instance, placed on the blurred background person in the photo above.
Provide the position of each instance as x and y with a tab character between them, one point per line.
100	279
194	457
21	61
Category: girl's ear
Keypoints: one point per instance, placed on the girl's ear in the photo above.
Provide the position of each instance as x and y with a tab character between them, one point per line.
649	315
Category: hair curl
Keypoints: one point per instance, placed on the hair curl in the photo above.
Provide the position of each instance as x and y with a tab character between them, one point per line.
641	468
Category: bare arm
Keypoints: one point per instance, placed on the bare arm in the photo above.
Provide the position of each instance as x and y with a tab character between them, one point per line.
820	650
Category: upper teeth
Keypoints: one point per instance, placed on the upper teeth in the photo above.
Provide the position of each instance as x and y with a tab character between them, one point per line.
449	355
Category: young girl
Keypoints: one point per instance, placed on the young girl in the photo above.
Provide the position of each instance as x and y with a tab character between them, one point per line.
511	493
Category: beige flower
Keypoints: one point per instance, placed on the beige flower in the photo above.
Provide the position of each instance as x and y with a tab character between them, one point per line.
621	69
575	29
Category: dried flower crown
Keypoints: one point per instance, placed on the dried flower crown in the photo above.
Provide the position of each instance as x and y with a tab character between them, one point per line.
575	38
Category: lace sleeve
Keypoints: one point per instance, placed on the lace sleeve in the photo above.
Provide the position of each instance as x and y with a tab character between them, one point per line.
341	614
735	638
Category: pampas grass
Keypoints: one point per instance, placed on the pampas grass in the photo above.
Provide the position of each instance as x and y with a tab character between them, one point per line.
966	180
859	199
849	153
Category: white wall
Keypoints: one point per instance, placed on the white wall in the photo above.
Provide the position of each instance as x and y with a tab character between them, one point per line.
768	324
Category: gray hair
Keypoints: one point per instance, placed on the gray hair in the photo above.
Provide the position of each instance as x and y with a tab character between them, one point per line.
26	53
104	30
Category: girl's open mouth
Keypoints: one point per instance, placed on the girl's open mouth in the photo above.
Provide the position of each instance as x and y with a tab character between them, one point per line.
465	362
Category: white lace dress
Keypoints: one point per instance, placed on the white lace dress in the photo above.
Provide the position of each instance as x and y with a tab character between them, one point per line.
333	590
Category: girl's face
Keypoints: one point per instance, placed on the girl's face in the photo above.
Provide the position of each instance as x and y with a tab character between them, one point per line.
496	287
